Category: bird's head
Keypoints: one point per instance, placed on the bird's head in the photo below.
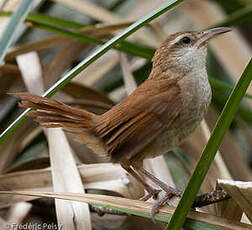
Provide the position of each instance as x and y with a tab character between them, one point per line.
185	51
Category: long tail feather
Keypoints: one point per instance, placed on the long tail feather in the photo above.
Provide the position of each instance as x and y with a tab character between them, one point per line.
52	113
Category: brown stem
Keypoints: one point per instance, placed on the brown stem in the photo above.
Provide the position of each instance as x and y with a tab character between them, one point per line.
210	198
101	211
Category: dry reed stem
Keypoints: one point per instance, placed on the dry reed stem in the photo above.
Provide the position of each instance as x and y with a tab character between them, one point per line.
136	206
65	175
101	176
241	192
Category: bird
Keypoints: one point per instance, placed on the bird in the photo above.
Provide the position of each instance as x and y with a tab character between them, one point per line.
158	116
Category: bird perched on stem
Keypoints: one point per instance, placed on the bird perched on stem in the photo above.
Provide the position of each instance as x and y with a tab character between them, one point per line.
156	117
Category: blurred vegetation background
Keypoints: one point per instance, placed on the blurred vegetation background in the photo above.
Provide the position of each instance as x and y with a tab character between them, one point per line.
56	36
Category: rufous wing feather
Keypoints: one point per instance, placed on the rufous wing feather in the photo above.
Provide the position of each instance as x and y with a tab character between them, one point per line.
131	125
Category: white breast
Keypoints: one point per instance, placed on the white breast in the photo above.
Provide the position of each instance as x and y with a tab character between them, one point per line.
197	97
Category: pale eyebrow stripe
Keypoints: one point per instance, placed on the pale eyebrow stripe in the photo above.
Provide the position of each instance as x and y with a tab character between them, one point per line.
178	38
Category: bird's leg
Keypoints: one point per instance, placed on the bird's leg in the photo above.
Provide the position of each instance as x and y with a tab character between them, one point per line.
168	189
152	192
158	204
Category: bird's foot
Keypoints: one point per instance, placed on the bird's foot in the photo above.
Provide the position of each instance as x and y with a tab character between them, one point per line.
168	189
169	193
152	193
157	205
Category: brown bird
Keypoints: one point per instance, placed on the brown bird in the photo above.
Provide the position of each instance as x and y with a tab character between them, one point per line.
156	117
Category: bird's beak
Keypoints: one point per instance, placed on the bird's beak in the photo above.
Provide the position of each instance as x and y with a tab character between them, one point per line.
206	35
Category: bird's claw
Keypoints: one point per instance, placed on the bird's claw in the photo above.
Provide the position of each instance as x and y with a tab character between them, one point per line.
165	199
152	193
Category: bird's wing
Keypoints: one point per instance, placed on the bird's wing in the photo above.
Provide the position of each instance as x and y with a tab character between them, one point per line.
129	126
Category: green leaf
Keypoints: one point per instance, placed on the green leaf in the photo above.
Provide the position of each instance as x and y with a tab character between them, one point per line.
57	25
93	57
49	20
237	17
16	20
125	46
210	150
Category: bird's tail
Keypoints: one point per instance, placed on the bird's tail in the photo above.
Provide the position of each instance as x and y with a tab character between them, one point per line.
51	113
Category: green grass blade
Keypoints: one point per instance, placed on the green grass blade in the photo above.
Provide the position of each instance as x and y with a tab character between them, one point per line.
125	46
93	57
16	20
57	25
42	18
210	150
68	33
55	21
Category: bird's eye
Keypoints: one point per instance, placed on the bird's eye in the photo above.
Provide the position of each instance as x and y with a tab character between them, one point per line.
186	40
